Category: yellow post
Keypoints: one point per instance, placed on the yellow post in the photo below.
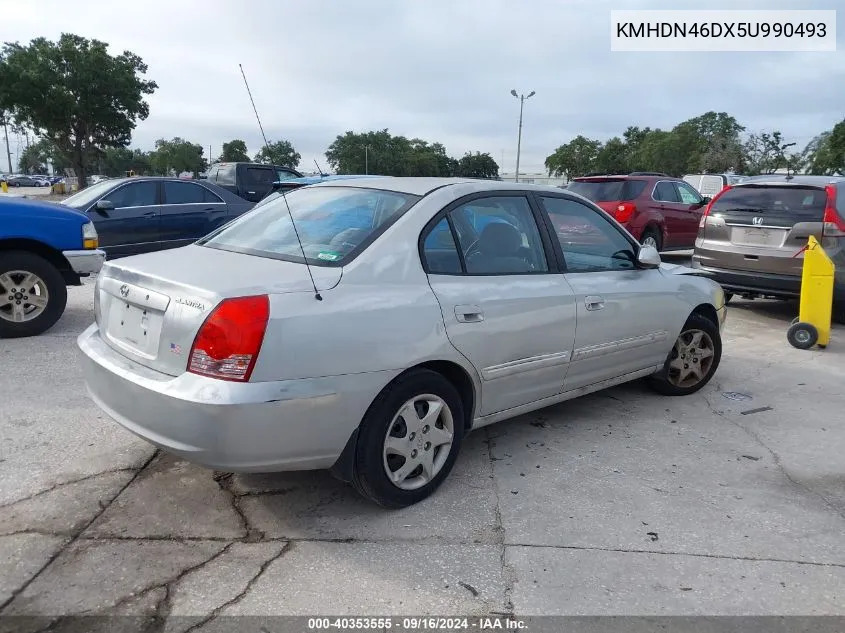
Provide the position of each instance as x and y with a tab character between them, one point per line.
812	327
4	186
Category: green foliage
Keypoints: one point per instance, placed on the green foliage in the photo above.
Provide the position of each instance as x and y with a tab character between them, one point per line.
176	156
379	152
234	152
34	159
825	154
74	94
575	158
279	153
116	161
477	165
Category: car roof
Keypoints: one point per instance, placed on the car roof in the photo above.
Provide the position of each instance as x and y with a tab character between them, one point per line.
782	179
421	186
227	195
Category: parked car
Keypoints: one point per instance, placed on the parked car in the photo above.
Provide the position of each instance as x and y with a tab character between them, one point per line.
657	209
250	181
289	184
372	349
751	235
26	181
143	214
711	184
44	247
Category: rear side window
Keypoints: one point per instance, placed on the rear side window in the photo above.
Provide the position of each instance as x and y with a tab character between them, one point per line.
226	175
259	176
607	189
440	250
801	204
187	193
334	224
284	174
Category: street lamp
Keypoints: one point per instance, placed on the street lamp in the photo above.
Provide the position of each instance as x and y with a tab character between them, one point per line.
367	149
522	99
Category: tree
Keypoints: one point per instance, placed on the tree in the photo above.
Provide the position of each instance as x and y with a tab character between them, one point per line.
825	154
74	94
574	159
477	165
34	159
178	155
234	152
612	158
379	152
764	152
279	153
116	161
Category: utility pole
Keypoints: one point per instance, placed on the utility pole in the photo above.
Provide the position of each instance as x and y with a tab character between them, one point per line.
8	149
522	99
367	159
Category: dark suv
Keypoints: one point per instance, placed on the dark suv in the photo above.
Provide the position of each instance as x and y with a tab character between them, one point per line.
250	181
751	235
657	209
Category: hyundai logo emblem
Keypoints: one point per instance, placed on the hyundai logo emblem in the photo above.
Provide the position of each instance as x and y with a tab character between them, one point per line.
757	221
124	290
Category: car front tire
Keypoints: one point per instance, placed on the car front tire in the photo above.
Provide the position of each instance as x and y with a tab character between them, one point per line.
693	359
409	439
33	294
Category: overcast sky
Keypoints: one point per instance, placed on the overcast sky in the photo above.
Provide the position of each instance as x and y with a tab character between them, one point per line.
440	70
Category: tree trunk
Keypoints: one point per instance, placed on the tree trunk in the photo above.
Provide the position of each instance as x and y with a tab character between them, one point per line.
80	168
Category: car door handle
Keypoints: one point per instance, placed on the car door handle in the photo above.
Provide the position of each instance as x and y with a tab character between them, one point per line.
251	193
594	303
468	314
150	214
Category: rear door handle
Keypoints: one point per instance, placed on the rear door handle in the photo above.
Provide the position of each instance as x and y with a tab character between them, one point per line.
468	314
594	303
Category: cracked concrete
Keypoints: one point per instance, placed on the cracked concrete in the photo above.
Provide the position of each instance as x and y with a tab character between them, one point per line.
620	502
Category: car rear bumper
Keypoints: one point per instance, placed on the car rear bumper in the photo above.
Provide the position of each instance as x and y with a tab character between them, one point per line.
769	284
234	427
85	262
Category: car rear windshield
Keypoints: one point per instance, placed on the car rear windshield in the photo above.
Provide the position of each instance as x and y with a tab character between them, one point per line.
803	204
334	224
607	189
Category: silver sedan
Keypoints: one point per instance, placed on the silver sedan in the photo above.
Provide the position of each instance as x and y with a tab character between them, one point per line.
366	326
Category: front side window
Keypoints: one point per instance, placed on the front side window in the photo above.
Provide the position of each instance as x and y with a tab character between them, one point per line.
136	194
499	236
333	223
688	194
589	242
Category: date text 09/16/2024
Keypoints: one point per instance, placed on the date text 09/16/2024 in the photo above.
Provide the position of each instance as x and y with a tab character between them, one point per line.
416	624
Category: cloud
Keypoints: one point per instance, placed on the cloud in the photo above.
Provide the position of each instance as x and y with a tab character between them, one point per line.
436	69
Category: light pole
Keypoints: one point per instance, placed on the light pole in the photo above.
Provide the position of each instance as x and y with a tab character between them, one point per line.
522	99
367	159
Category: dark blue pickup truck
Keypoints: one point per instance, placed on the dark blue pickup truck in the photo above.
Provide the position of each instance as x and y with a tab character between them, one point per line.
44	248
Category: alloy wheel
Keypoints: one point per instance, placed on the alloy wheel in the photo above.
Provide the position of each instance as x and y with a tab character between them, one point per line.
691	359
23	296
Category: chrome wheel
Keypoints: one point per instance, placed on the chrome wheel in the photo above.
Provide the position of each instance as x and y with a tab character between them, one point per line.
650	241
418	441
23	296
691	358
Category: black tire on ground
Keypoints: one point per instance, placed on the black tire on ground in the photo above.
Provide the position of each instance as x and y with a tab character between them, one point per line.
56	289
654	234
660	381
369	476
802	335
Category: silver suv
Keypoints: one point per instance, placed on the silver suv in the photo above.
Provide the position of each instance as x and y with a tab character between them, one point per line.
751	235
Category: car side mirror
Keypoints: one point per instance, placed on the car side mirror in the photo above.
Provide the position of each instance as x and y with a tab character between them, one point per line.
104	205
648	257
706	200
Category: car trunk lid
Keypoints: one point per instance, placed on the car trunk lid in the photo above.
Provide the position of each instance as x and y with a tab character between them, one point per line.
150	307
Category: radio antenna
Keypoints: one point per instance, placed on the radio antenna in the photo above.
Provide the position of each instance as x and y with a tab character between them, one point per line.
252	101
319	170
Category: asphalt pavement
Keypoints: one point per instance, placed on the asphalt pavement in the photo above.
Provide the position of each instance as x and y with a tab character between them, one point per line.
728	502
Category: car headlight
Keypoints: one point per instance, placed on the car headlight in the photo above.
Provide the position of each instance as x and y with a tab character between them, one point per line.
90	239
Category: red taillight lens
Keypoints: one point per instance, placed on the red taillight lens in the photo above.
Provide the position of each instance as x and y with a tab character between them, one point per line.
625	211
834	225
709	206
227	344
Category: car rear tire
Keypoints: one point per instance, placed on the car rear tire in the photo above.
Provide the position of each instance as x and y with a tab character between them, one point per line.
651	237
33	294
802	335
409	439
693	360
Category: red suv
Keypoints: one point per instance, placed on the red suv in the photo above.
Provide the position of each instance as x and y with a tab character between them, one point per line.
657	209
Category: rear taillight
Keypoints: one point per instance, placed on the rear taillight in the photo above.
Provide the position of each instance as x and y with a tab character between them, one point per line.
834	225
227	344
625	211
709	206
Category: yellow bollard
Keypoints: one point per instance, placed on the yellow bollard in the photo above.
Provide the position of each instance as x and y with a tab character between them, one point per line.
4	186
812	327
